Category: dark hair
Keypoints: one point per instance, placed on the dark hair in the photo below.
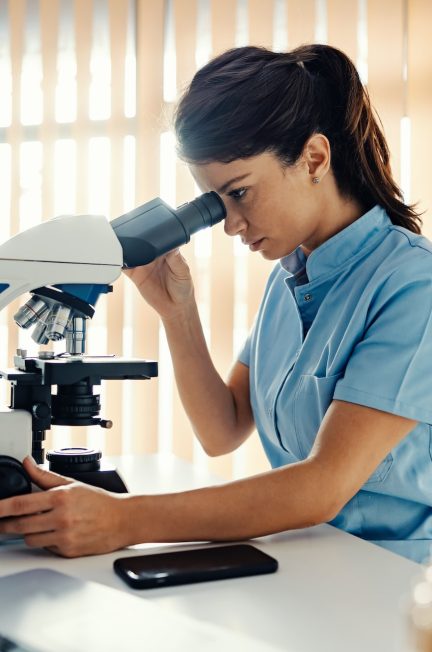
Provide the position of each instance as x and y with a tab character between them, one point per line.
250	100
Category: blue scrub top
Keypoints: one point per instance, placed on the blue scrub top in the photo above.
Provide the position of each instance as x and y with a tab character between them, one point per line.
353	322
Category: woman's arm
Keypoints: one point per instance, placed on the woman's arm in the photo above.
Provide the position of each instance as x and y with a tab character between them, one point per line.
351	443
73	519
219	412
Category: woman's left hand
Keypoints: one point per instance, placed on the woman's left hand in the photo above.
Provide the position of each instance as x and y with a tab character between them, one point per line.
69	518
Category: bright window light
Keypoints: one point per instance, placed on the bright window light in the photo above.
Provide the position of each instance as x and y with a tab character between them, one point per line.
5	194
203	35
65	177
362	42
130	86
31	68
5	92
30	203
203	243
168	168
169	61
100	87
66	89
129	161
321	31
100	64
280	36
5	68
242	31
130	64
31	91
99	175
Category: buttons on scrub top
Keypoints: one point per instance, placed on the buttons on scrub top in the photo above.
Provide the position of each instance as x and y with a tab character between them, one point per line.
307	297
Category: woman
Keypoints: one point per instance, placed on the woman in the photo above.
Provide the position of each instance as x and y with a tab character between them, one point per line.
335	374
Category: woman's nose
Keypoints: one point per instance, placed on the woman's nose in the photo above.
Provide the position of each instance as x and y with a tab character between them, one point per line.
234	223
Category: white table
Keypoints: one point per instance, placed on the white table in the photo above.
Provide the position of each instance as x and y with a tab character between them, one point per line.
333	592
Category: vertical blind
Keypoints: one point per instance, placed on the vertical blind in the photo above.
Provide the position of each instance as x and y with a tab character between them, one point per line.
87	91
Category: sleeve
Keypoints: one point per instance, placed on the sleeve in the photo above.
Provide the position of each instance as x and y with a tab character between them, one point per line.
245	352
390	368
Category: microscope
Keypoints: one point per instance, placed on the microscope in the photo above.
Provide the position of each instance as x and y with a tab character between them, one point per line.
66	264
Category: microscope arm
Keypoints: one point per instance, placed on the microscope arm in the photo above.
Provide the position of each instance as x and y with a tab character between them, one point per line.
68	249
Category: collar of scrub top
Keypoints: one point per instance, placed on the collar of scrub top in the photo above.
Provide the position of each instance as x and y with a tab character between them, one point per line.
343	247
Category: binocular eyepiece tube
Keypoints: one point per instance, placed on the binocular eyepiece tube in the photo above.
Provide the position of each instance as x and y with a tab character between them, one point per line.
154	228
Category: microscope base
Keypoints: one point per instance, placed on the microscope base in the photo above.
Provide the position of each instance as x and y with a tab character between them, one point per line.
105	478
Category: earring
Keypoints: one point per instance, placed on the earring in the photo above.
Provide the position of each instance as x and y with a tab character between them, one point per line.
315	180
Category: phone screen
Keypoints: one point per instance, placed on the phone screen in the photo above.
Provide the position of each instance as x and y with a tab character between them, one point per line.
196	565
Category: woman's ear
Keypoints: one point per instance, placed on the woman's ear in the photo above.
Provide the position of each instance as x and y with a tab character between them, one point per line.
317	156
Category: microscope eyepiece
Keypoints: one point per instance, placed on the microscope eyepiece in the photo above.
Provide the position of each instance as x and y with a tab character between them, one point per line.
210	208
154	228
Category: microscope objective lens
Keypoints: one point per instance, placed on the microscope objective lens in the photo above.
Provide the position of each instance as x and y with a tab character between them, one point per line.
76	336
57	322
28	314
39	334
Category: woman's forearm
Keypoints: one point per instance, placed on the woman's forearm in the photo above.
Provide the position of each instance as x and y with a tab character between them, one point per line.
282	499
208	401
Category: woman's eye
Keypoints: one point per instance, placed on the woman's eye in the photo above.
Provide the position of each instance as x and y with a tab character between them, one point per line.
238	193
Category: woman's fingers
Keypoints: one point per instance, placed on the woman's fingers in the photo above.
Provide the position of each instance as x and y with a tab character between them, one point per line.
43	478
71	519
28	524
26	504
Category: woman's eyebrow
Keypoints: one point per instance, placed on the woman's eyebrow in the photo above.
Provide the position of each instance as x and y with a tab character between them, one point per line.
226	185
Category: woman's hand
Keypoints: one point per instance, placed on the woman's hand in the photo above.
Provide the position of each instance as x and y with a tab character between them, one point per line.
70	518
165	284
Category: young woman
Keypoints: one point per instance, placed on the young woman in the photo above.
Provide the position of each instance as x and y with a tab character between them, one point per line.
336	374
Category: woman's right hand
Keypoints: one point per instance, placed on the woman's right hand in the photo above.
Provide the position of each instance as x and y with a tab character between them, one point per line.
165	284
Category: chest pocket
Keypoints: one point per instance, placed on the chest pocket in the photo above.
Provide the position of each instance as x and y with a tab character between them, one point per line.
311	402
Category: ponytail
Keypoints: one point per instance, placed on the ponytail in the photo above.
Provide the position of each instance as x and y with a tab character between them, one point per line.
360	154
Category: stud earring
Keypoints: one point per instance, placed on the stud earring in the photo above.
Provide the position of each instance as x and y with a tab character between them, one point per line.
315	180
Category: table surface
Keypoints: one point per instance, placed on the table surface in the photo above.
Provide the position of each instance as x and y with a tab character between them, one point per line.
333	592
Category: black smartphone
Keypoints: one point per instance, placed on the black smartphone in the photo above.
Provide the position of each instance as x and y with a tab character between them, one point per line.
196	565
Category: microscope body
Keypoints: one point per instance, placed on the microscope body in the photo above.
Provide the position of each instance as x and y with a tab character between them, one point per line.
65	264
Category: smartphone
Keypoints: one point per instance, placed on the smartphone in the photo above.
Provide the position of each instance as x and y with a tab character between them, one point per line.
196	565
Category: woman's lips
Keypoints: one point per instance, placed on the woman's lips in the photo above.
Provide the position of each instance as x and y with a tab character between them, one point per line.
255	246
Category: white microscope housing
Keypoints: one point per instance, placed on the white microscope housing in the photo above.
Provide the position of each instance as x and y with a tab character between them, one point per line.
65	264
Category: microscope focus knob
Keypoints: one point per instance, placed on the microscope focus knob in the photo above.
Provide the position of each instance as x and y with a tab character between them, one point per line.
40	410
14	479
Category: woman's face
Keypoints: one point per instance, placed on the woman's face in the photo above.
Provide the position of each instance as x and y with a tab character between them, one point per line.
269	206
273	208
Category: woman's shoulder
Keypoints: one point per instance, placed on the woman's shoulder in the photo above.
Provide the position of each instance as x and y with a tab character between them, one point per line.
411	253
415	242
405	269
